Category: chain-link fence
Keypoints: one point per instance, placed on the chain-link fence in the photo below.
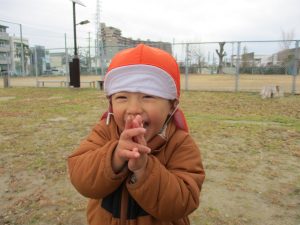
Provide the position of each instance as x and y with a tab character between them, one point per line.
239	66
210	66
205	66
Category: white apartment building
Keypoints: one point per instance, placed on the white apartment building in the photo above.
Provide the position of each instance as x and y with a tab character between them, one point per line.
11	54
4	50
16	56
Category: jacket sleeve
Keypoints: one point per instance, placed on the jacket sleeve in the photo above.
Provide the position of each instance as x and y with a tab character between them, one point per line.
90	167
171	192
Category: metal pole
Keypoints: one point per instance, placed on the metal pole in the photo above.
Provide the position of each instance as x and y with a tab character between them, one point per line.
173	46
186	67
237	72
101	51
89	61
75	74
9	68
22	50
96	54
67	60
101	57
295	73
36	66
232	50
213	63
208	58
74	28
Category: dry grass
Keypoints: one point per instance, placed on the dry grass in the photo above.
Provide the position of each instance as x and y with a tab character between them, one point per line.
250	149
227	82
253	83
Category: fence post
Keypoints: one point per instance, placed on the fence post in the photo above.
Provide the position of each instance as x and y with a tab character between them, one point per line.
6	83
102	58
36	67
295	70
22	51
186	67
237	71
96	55
67	61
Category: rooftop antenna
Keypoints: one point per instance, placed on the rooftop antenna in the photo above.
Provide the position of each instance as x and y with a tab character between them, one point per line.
97	34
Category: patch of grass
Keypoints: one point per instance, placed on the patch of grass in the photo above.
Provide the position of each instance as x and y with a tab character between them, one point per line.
250	148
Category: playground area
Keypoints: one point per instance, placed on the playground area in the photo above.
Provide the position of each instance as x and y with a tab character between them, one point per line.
249	83
250	148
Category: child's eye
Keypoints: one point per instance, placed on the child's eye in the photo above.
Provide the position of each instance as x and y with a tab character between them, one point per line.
148	96
121	97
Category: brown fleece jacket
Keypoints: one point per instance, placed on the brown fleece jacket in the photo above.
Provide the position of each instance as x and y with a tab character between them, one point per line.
167	193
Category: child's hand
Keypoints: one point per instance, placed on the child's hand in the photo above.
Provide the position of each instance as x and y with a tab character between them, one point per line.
138	164
131	144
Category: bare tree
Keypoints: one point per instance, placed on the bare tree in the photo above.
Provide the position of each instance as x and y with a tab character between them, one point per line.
27	52
286	39
286	56
198	58
221	55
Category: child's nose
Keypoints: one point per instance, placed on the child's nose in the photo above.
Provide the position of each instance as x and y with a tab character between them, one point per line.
134	108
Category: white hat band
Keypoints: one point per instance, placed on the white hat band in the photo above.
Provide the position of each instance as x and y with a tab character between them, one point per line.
140	78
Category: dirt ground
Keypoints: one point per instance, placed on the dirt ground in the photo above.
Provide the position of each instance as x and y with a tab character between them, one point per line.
250	148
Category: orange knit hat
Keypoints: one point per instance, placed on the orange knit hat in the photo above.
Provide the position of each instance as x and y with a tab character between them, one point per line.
147	70
143	69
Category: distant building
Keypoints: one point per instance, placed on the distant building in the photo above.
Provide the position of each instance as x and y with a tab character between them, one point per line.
113	42
286	55
5	61
289	59
39	60
57	59
11	53
248	60
58	62
16	56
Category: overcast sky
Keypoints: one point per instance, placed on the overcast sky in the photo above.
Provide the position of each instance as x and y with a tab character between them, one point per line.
44	22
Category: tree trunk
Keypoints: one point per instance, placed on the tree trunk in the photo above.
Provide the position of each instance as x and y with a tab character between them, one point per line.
221	54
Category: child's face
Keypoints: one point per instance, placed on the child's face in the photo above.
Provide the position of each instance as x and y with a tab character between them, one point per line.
153	110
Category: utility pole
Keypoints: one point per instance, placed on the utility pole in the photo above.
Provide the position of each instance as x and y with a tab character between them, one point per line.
36	66
67	60
187	57
75	65
237	71
22	51
97	55
89	61
99	41
296	58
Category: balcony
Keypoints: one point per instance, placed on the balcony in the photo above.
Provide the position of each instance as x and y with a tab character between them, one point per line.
4	36
4	48
4	61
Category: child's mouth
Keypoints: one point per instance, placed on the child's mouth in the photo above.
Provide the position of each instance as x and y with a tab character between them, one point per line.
145	125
